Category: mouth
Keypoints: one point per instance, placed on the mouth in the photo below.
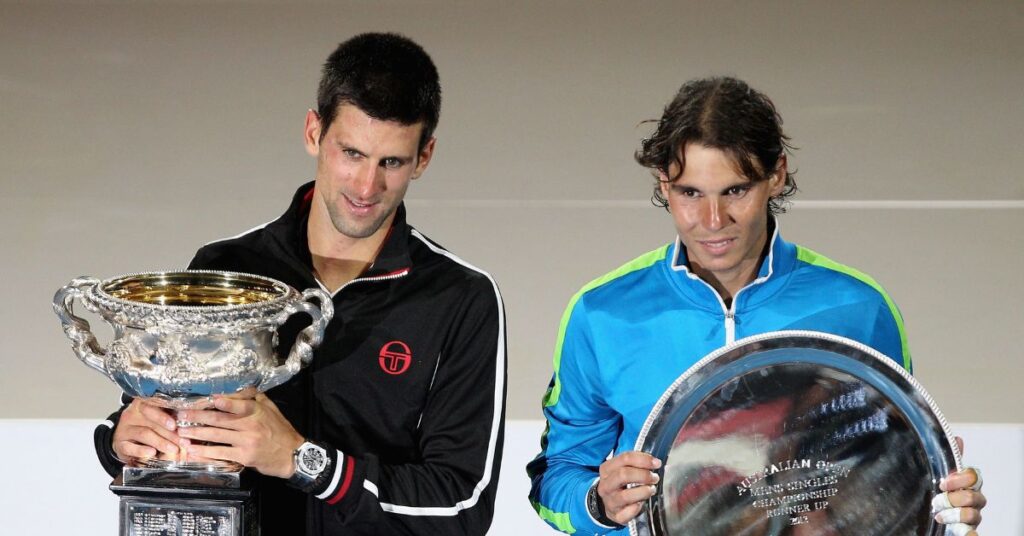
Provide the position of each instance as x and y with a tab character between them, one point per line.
718	245
357	206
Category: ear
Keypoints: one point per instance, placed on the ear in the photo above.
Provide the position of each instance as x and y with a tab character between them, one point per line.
777	182
311	134
426	153
664	184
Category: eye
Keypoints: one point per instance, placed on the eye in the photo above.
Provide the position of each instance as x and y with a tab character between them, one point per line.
352	153
737	191
685	191
391	163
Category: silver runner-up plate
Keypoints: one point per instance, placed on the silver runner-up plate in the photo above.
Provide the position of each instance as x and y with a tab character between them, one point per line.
795	433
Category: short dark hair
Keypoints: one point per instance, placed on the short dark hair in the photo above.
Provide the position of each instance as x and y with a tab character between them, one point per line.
726	114
387	76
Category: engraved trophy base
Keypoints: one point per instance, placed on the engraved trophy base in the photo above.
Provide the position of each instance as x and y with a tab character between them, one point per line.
158	502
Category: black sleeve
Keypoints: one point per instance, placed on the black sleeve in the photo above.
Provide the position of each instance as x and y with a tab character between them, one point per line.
102	438
452	491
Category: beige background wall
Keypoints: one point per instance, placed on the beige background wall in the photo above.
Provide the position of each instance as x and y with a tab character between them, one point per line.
131	134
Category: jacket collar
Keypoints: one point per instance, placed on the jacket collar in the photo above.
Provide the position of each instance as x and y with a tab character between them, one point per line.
775	268
290	234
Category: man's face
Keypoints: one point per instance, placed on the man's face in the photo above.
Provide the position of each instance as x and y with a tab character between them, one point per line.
363	168
720	215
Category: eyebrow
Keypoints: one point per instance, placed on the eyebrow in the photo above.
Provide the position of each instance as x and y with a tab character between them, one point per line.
401	159
680	187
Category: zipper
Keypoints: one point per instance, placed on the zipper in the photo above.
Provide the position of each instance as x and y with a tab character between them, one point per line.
385	277
729	313
730	324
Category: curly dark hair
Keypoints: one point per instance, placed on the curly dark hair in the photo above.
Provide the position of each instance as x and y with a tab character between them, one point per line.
726	114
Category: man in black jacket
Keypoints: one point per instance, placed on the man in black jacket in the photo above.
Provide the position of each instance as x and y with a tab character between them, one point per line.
405	395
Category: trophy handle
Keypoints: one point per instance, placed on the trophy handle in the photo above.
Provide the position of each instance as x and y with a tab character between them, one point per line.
302	351
76	328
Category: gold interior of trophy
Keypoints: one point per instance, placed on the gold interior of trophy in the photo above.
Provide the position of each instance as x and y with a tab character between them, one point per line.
193	289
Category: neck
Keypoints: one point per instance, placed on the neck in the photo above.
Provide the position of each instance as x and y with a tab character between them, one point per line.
338	258
729	283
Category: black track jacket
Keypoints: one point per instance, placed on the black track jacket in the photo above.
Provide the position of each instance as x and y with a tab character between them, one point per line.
408	385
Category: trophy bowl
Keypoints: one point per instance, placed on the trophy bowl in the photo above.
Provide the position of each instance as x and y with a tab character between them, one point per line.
180	337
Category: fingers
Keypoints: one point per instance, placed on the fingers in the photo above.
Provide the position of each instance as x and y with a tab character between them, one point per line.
626	476
627	513
626	471
216	452
969	478
144	431
626	481
966	497
628	467
210	434
158	416
948	516
622	505
634	459
978	481
245	394
960	529
957	499
126	450
634	495
959	510
235	406
210	417
144	442
969	516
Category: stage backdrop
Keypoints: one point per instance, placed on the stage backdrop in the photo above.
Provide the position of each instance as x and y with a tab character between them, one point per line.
133	132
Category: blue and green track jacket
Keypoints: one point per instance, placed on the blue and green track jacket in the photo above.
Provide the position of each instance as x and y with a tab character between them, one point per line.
626	336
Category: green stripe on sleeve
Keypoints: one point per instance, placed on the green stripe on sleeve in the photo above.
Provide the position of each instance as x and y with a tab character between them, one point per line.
558	519
639	263
817	259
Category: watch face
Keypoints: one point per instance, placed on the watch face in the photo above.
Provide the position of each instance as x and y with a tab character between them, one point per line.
312	459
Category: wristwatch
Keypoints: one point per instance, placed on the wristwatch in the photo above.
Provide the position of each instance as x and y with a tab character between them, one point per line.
595	506
311	463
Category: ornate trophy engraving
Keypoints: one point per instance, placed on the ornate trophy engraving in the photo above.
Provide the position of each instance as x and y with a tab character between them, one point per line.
794	433
180	338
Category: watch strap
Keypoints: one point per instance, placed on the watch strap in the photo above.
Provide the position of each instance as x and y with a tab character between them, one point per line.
595	506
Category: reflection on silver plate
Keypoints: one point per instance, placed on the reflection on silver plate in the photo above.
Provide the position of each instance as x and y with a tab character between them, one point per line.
795	433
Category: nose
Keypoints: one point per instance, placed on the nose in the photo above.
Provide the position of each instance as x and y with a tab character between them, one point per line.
368	181
714	213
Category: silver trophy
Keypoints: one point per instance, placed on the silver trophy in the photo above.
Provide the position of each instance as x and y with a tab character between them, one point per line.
180	338
793	433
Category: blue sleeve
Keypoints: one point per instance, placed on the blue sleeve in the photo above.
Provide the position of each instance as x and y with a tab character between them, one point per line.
581	431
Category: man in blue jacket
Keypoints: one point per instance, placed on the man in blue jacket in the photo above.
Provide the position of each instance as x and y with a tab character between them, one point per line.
719	157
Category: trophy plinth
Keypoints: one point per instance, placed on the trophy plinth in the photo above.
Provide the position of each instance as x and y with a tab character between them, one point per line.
157	507
179	339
